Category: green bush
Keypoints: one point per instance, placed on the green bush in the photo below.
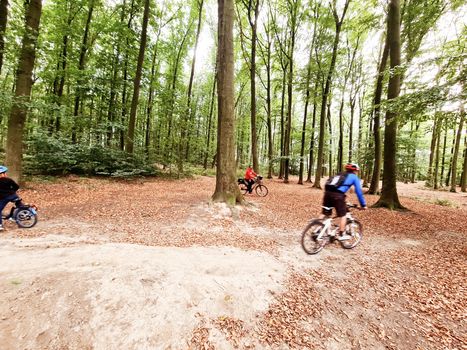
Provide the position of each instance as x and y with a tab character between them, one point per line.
50	155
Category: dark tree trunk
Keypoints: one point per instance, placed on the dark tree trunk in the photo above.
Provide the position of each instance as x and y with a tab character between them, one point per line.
81	66
226	185
183	145
211	108
3	23
282	161
389	197
130	141
312	136
464	171
327	88
374	185
23	86
456	150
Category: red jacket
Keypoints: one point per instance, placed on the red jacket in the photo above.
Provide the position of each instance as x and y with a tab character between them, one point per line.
250	174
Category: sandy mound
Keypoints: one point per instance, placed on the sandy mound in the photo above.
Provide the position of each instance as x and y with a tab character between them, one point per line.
126	296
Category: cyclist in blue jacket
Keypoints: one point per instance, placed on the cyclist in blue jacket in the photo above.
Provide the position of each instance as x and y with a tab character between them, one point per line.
8	188
334	195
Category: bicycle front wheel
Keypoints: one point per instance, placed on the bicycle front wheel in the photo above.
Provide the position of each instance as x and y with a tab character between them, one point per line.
261	190
355	230
313	241
25	218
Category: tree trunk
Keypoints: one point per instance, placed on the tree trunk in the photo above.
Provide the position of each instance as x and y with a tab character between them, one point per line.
389	197
443	158
211	108
429	181
81	66
464	172
23	85
312	136
448	175
438	139
456	150
254	136
326	91
130	141
226	184
282	161
305	114
186	119
3	22
374	185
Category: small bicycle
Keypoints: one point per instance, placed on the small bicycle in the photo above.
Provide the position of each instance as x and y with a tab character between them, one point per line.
25	215
258	186
320	232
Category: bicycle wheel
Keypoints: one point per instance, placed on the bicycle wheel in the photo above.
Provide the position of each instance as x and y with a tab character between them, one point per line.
312	241
243	188
25	218
355	230
262	190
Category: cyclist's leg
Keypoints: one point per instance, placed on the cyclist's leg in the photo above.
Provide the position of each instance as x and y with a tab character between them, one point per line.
3	202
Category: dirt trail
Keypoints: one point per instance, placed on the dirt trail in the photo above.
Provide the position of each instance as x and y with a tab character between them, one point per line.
161	268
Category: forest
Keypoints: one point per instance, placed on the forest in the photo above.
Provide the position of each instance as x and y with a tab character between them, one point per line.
130	87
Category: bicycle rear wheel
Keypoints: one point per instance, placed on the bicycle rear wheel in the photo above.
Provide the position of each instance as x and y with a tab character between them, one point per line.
243	188
355	230
25	218
312	241
261	190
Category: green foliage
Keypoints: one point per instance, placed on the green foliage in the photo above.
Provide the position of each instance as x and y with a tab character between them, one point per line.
53	155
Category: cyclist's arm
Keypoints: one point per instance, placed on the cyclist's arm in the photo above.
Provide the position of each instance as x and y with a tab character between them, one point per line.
359	192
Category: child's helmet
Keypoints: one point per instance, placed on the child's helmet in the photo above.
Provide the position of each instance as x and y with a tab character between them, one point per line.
3	169
352	167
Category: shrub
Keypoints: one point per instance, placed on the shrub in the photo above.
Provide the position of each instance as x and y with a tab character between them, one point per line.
51	155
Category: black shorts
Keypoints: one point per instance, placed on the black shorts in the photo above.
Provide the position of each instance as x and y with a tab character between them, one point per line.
336	200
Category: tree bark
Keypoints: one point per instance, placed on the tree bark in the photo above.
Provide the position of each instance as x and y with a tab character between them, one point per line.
81	66
3	23
456	150
226	184
130	141
464	172
183	145
374	185
327	88
389	198
23	86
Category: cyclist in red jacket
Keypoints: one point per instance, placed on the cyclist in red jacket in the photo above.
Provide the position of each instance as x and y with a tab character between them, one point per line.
250	177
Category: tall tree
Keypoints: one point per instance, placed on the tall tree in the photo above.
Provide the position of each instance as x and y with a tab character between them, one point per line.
183	146
456	149
374	185
23	85
81	66
3	22
293	7
137	81
226	186
338	23
389	197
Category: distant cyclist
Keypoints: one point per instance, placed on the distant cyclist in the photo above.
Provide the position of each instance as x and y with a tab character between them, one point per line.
250	177
8	188
334	195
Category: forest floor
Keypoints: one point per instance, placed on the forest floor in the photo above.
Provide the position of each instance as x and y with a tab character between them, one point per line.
150	264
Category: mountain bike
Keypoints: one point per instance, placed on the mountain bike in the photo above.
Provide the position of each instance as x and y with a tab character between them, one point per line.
258	186
320	232
25	215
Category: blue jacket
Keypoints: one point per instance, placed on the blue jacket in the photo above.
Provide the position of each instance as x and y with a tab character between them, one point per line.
353	180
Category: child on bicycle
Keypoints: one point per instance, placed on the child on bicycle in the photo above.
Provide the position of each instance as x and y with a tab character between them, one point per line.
250	177
8	188
334	196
